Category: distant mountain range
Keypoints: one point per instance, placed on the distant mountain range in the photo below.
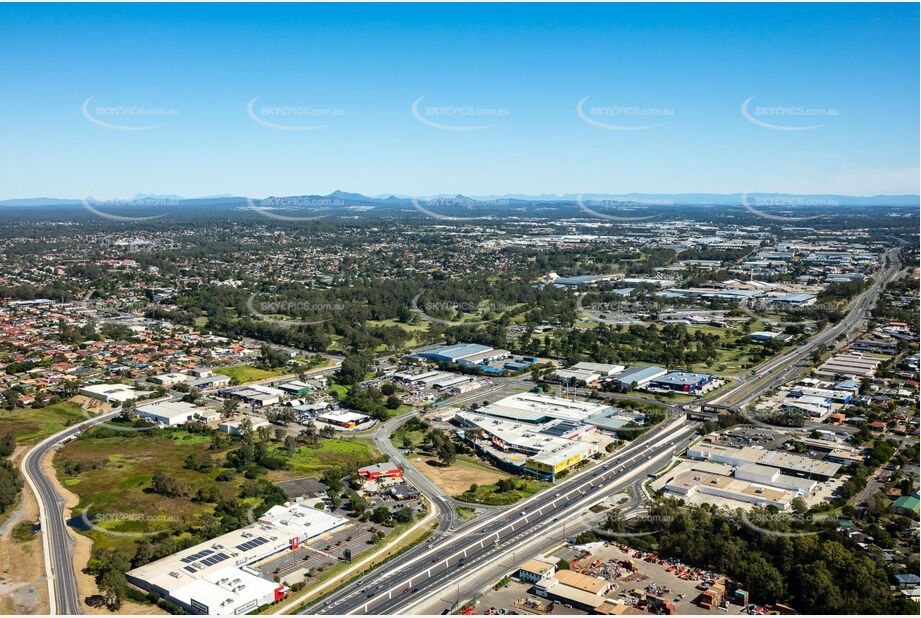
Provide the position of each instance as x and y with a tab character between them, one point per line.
345	199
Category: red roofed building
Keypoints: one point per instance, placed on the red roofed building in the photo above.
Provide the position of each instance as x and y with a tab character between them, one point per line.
382	470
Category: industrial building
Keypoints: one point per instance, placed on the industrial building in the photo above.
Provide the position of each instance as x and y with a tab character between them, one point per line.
535	570
586	373
537	409
707	293
854	366
580	280
468	354
763	336
637	376
692	482
295	388
112	393
169	380
214	577
683	382
256	395
174	413
789	463
574	589
343	418
749	483
792	300
233	426
217	380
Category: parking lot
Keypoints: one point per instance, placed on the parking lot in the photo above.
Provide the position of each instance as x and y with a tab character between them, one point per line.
320	553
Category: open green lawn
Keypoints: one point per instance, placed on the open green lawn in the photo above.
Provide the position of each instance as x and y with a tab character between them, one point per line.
248	373
31	426
117	491
420	326
337	390
343	452
399	438
490	494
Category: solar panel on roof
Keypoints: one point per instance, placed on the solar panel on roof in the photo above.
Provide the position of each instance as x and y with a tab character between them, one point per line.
196	556
190	569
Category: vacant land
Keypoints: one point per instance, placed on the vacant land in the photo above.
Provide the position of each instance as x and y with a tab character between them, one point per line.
459	476
494	495
30	426
248	373
344	453
112	476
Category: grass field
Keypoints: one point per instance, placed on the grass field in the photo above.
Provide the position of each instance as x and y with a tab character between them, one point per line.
415	437
30	426
342	452
490	494
248	373
337	390
117	490
421	326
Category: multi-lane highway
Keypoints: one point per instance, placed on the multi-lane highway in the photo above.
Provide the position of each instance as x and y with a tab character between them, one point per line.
429	568
57	545
781	369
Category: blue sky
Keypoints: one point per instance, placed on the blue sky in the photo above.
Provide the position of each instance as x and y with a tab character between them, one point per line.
500	85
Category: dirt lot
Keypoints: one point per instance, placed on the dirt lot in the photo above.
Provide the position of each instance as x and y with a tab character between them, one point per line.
459	476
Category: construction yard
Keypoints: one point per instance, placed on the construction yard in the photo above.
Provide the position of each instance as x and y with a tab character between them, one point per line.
635	579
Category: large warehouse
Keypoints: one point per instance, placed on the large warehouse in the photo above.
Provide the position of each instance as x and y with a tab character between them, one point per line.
213	577
536	409
788	463
461	353
176	413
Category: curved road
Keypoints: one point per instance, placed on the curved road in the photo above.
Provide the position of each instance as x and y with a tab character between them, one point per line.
56	543
447	516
